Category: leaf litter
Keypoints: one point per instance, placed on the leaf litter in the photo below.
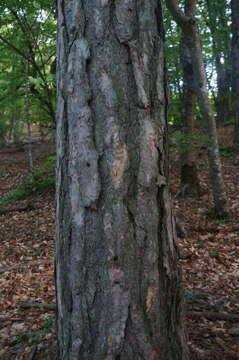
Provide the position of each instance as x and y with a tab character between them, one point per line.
210	267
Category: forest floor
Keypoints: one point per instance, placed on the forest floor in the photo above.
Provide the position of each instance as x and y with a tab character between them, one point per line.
210	252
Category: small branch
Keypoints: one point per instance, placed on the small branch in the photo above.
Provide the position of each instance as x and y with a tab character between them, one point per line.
234	331
190	7
4	269
202	354
51	307
178	15
211	315
28	207
6	318
11	46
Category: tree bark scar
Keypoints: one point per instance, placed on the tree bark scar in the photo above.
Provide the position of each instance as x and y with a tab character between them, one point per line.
148	171
139	77
120	310
83	167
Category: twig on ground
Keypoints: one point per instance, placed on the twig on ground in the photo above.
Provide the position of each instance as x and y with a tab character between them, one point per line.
27	207
22	265
7	318
211	315
51	307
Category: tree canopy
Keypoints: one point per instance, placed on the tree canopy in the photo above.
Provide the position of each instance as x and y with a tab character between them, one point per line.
27	46
28	36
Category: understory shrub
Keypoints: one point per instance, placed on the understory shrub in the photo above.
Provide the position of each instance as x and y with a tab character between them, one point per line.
41	179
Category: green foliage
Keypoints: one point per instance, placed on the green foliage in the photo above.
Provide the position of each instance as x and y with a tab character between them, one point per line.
183	141
27	52
213	252
174	71
10	251
225	150
36	336
198	245
213	19
29	251
3	128
41	179
31	336
49	323
229	122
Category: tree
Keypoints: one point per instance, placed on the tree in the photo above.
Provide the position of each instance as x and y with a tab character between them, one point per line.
190	185
174	70
189	28
28	121
217	20
117	275
235	67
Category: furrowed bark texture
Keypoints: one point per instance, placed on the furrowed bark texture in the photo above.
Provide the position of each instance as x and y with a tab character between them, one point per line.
117	278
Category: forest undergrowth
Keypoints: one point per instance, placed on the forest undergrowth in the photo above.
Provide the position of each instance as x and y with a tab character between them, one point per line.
209	257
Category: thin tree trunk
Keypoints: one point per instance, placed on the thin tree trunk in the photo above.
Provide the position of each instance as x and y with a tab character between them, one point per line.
220	32
218	188
189	176
28	121
14	127
223	94
117	276
189	27
235	68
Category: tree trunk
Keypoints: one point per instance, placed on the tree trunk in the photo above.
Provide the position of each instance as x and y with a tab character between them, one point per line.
217	22
189	27
117	275
14	127
189	176
28	121
235	68
218	188
223	94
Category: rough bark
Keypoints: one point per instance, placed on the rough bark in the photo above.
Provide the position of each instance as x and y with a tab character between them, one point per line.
235	68
189	27
190	185
117	275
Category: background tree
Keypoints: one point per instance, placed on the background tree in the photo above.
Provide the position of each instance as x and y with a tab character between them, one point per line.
189	27
118	289
235	67
189	176
27	119
174	70
217	19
